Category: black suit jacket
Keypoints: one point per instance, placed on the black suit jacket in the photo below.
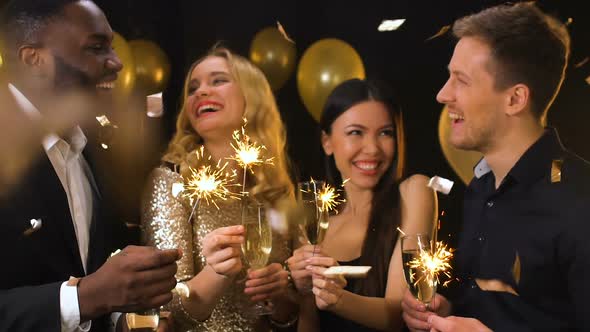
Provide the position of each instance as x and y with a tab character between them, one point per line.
36	264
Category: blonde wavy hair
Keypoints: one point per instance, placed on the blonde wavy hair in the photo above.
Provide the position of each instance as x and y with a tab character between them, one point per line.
264	126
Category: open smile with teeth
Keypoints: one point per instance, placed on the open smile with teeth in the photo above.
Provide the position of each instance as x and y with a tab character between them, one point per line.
456	117
209	108
366	166
106	85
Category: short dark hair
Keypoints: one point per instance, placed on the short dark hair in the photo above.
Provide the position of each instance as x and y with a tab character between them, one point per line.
23	20
527	46
384	217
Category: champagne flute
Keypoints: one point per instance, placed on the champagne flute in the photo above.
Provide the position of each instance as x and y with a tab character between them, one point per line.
143	321
315	219
257	245
422	285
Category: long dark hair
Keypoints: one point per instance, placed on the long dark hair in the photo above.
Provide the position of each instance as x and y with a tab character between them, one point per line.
381	237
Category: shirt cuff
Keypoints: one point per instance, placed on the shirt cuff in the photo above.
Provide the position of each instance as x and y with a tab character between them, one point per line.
114	319
70	310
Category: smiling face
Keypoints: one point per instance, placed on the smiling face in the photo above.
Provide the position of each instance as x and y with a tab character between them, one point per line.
215	103
362	141
475	106
76	50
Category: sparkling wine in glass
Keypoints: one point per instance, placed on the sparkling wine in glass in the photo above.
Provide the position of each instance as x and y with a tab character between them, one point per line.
315	219
257	245
143	321
422	285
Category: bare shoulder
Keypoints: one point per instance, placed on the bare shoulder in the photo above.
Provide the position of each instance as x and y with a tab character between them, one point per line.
415	185
418	203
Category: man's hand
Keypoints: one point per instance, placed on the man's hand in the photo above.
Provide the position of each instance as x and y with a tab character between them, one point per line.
135	279
456	324
416	314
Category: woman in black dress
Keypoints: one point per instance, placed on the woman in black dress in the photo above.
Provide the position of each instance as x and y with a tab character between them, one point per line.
363	139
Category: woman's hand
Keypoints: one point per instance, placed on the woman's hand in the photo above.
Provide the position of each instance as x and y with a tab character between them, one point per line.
297	265
327	290
222	250
266	283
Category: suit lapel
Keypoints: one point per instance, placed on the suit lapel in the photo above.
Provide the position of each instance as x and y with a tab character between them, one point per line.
97	247
57	205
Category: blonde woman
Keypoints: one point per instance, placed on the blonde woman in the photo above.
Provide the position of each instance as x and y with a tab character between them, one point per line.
220	90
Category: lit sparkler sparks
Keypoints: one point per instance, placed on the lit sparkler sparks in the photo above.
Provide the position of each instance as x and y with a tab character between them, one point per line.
248	153
329	198
433	264
209	183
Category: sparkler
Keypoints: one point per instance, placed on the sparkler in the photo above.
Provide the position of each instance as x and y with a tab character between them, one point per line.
208	183
328	198
433	264
248	153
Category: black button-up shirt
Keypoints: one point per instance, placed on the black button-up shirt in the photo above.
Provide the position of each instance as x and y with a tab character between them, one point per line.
531	238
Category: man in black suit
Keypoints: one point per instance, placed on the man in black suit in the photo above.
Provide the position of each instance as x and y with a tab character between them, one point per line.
57	232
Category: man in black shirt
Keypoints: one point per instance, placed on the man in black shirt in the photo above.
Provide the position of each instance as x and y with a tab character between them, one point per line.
523	256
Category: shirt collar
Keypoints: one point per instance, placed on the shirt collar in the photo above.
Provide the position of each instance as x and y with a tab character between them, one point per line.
77	138
534	163
482	168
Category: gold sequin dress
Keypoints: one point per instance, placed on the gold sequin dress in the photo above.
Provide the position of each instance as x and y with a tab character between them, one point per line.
165	225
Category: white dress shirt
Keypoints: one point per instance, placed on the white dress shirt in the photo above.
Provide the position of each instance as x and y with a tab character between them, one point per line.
74	174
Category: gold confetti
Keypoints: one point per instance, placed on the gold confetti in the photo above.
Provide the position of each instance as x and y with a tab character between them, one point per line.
440	32
401	232
516	269
284	33
494	285
581	63
36	224
556	165
103	120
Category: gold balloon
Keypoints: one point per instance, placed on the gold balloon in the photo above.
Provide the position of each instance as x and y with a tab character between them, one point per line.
152	66
461	161
324	65
126	78
274	55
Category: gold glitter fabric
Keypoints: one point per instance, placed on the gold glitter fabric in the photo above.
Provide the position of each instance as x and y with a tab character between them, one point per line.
165	222
164	219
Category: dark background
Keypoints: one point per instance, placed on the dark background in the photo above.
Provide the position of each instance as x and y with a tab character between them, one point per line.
416	68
